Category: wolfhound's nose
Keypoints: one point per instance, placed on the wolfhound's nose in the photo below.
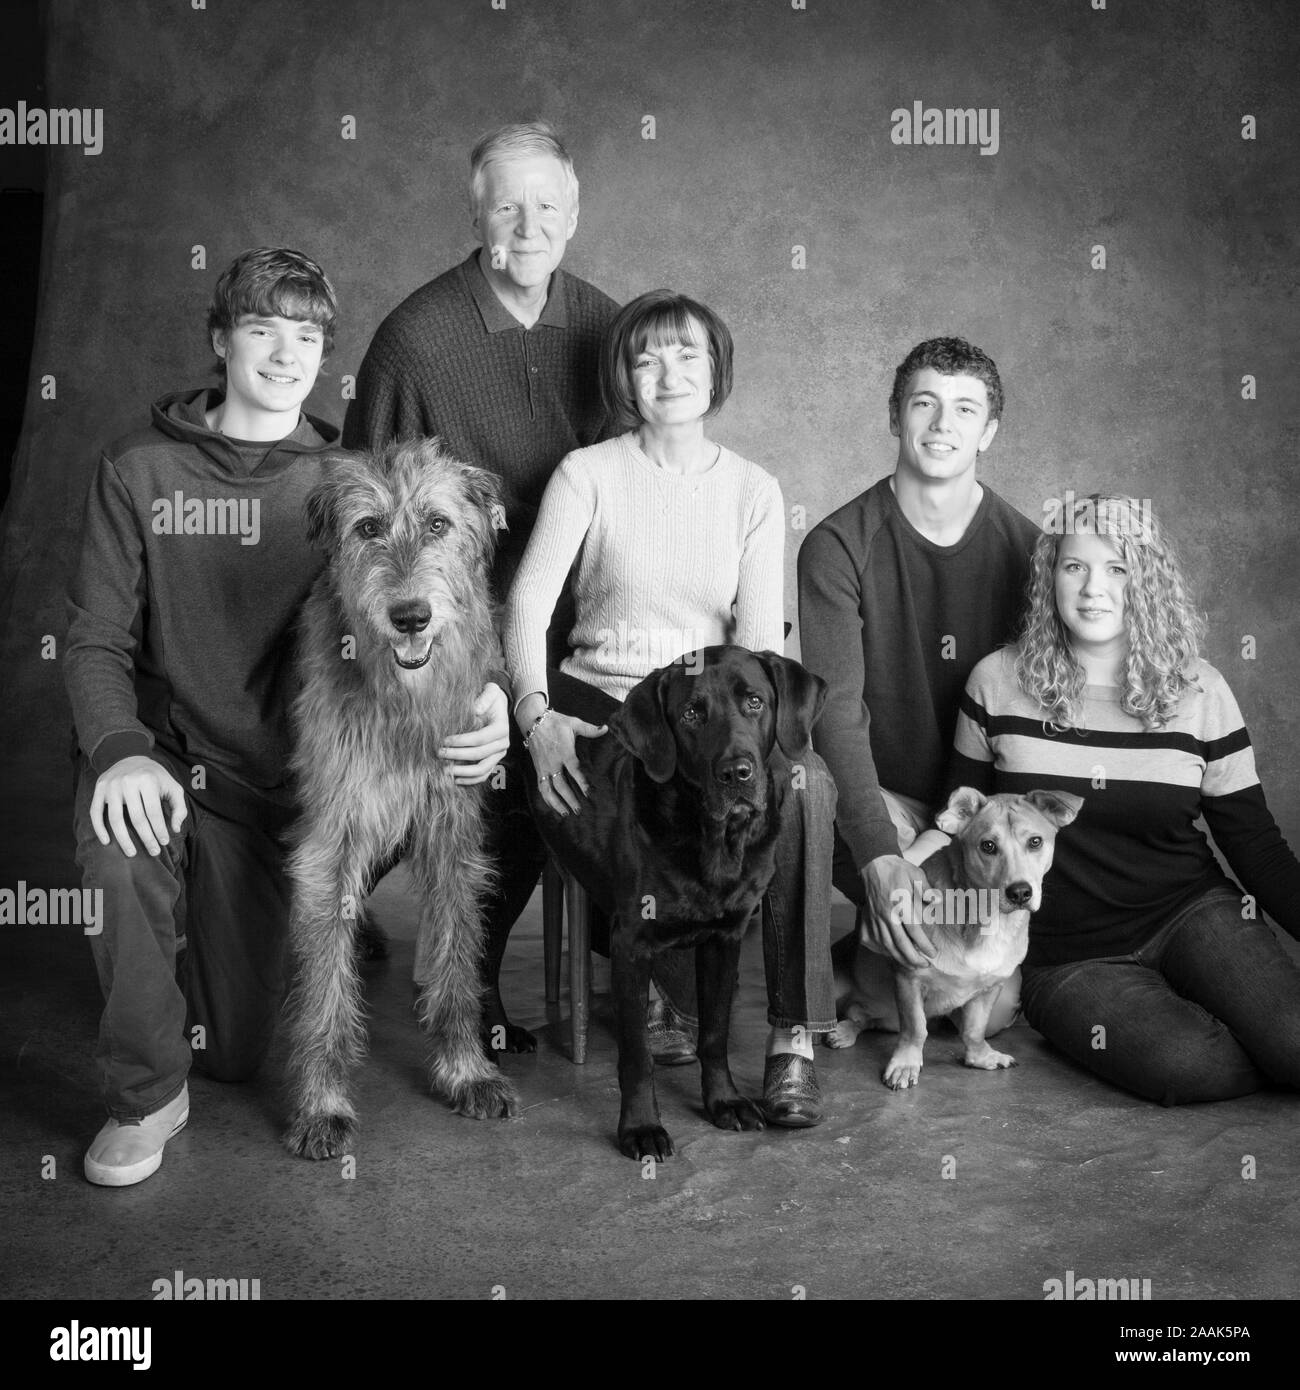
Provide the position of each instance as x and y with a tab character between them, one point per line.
410	616
1019	893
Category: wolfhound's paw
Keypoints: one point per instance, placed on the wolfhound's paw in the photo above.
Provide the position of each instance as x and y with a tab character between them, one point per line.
735	1112
491	1098
507	1037
645	1141
320	1136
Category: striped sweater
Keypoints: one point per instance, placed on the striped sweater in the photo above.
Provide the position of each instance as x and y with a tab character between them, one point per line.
663	559
1135	855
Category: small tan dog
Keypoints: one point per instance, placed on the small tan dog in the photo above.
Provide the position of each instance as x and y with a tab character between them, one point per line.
983	885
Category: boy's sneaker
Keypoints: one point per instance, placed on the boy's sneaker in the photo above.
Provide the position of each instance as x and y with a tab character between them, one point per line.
127	1151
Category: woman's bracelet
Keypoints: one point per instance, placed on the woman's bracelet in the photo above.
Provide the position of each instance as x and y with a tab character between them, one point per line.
532	728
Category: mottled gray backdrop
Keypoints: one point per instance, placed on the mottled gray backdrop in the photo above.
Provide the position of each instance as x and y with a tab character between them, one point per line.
1119	128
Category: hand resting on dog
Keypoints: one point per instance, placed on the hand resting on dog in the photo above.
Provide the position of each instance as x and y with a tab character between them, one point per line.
553	747
473	755
887	926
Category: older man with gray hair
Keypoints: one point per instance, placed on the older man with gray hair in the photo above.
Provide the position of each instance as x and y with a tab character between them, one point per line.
498	358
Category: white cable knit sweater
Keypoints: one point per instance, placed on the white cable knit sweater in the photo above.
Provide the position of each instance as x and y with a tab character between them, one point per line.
666	564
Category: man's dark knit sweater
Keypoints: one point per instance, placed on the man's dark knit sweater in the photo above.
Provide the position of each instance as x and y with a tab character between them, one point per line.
895	623
452	361
179	627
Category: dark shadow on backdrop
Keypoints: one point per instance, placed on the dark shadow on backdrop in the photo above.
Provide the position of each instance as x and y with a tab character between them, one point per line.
22	208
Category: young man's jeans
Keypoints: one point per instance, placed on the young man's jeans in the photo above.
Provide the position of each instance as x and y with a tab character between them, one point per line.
796	910
1207	1009
218	888
797	907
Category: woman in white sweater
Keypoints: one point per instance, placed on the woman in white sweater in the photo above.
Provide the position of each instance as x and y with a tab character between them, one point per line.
675	543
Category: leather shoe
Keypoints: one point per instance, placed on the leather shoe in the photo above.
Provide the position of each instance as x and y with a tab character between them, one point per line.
671	1044
791	1095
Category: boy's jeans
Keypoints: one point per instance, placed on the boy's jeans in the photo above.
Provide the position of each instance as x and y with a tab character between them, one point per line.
1208	1009
220	890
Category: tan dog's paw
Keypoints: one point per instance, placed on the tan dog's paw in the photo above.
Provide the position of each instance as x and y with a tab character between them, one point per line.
844	1034
904	1069
989	1060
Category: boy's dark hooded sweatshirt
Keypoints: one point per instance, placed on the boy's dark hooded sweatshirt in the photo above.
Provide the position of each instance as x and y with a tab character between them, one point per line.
194	565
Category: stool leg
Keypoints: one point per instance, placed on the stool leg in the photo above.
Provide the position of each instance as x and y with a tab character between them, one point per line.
552	928
577	906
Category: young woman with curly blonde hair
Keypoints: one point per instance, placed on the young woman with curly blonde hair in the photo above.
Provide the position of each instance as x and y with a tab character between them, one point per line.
1147	964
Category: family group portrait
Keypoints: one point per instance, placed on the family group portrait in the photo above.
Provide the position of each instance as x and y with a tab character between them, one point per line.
650	653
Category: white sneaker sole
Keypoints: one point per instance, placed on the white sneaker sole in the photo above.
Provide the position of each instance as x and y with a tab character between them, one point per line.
108	1175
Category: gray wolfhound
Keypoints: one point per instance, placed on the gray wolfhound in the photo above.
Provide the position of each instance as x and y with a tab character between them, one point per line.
396	639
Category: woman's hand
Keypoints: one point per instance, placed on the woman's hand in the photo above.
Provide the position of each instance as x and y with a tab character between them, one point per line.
552	745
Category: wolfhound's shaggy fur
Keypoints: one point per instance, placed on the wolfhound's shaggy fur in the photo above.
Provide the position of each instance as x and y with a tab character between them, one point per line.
395	642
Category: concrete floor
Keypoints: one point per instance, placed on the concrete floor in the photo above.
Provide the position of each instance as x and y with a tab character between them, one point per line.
1050	1171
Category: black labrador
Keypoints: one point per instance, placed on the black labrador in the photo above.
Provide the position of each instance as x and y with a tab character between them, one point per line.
678	844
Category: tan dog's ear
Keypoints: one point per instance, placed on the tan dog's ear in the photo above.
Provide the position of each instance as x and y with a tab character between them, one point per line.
642	726
962	808
1058	807
799	699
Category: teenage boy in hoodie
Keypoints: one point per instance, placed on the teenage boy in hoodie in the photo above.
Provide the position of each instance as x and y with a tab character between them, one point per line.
194	563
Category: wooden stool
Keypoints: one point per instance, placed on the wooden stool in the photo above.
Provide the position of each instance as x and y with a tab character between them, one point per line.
563	895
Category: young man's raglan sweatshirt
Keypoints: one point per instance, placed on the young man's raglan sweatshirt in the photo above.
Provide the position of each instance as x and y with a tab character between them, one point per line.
895	623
